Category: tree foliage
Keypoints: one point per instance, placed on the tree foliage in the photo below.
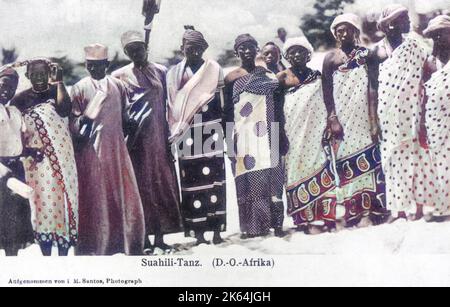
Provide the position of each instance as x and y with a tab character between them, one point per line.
317	26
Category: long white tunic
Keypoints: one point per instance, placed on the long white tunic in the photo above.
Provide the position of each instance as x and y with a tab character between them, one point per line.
407	166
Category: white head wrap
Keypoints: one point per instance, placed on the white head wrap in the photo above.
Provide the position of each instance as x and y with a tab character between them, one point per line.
438	23
352	19
297	41
390	13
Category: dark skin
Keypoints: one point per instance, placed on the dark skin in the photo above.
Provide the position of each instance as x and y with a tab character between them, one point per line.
193	55
97	69
282	34
138	54
298	57
44	88
272	56
7	89
247	52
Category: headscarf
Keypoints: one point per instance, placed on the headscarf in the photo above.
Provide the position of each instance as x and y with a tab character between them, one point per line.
244	38
297	41
352	19
389	14
195	38
438	23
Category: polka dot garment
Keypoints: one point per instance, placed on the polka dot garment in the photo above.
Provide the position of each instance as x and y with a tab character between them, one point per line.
438	127
203	183
410	178
54	180
258	169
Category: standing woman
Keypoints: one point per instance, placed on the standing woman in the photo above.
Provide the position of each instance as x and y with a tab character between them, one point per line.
195	102
410	181
309	181
46	107
438	111
346	95
253	104
272	57
16	231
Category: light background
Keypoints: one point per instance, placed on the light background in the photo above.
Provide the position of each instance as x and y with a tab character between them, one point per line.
63	27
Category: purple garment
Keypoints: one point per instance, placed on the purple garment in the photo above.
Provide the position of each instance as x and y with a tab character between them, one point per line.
153	163
110	208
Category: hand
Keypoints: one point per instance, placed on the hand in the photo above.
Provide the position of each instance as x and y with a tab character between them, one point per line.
57	75
336	129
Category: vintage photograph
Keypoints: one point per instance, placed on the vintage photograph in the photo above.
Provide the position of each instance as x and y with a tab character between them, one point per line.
165	128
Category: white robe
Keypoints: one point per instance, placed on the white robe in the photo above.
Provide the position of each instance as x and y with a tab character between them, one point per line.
407	166
307	176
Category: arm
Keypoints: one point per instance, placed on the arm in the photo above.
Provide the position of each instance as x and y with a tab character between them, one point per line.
329	68
374	71
279	99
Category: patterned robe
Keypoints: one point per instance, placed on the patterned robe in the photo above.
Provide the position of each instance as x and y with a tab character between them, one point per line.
111	214
410	178
200	146
151	156
256	160
361	188
309	179
438	126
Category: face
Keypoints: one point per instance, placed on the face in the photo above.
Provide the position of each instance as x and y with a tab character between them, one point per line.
282	33
193	53
298	56
7	89
39	74
271	55
137	52
97	69
346	33
402	24
441	41
247	52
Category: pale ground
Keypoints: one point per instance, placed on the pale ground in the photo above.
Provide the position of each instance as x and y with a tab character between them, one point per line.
403	238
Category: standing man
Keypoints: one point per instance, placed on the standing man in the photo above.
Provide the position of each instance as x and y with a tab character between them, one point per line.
410	178
195	117
111	214
150	150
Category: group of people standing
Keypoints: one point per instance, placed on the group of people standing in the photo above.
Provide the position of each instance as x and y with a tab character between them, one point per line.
365	139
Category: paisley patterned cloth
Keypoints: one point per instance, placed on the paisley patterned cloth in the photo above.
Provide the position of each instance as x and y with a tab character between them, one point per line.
309	181
351	95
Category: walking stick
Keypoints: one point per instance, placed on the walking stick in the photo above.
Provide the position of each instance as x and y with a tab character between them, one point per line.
149	10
